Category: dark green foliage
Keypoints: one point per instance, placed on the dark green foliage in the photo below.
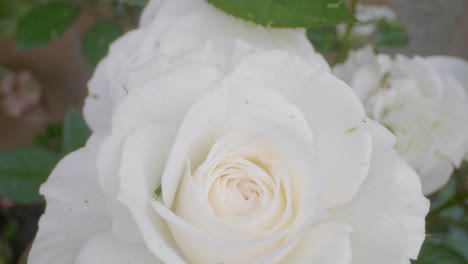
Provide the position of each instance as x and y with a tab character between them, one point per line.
97	39
391	33
288	13
43	24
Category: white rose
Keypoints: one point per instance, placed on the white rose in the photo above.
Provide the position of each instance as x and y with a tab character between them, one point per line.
453	66
422	101
368	16
255	155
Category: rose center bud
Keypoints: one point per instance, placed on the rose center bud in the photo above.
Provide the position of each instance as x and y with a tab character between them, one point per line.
240	188
248	189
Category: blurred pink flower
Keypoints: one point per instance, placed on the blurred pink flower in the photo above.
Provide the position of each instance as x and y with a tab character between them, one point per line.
20	92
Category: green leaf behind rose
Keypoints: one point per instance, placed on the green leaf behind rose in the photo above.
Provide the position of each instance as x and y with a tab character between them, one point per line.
22	170
43	24
432	253
97	39
457	238
288	13
50	138
75	131
324	39
391	33
135	2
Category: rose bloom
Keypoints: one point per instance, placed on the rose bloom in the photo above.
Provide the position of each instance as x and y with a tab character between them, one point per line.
422	101
219	141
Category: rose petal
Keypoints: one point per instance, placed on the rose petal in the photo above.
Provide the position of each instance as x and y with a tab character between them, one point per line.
195	243
356	60
139	109
389	205
180	25
107	87
132	113
327	243
455	107
325	101
247	112
177	27
108	163
218	113
166	98
75	208
437	177
453	66
105	248
98	107
143	158
217	54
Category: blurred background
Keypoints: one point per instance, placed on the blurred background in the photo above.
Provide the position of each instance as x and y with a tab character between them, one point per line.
43	82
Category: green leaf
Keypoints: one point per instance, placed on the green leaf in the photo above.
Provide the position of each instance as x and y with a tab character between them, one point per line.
6	9
75	131
445	194
8	18
457	238
43	24
22	171
324	39
391	33
97	39
158	191
432	253
135	2
51	138
288	13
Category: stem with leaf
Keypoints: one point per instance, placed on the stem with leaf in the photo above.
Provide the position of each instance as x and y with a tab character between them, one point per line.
346	43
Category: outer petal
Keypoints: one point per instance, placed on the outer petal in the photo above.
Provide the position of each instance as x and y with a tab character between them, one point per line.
455	109
456	67
327	243
167	98
107	87
356	59
331	108
177	27
214	53
98	107
387	215
108	163
150	11
156	105
437	177
105	248
75	208
144	155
